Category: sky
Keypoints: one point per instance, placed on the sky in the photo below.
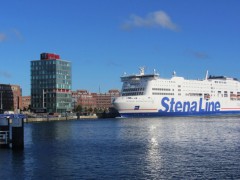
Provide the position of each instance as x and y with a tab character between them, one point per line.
103	39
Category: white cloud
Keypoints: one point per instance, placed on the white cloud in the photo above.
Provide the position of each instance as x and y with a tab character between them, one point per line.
5	74
12	34
18	34
154	19
3	37
197	54
113	64
200	55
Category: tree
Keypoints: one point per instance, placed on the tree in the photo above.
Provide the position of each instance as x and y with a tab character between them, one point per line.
90	110
78	108
85	110
95	110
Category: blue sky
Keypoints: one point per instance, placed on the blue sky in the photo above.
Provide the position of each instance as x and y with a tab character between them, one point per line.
103	39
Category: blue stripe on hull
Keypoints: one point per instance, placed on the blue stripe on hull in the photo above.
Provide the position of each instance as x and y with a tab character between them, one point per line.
160	114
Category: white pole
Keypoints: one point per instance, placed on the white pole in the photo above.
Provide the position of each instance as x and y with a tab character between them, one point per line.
1	101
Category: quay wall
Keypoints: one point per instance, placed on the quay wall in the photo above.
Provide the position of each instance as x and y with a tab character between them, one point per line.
45	119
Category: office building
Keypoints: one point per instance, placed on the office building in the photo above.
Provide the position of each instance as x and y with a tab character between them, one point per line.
51	83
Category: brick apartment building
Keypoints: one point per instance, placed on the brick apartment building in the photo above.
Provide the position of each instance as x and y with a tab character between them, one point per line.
26	102
94	100
83	98
10	98
104	100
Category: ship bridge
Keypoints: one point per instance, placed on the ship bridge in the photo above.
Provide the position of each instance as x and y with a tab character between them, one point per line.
140	76
135	85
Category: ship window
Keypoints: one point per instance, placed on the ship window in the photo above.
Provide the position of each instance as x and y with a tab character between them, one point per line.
155	93
161	89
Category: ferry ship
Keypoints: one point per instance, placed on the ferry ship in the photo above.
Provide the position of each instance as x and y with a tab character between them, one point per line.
149	95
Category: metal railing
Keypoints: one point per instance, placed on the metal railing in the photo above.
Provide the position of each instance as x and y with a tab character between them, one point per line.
4	137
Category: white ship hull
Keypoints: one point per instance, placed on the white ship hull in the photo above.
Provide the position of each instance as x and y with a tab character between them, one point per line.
165	107
148	95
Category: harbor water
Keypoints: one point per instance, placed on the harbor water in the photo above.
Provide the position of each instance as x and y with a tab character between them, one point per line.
143	148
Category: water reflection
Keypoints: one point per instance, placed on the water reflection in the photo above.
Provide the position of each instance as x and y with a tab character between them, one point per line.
51	149
153	156
157	148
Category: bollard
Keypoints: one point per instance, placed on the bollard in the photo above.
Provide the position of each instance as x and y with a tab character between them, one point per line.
17	133
4	132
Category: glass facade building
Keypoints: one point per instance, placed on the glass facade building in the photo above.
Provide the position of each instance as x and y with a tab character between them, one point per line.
51	84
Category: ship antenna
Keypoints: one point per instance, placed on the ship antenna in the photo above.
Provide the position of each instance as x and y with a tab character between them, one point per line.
142	69
174	73
155	72
206	77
